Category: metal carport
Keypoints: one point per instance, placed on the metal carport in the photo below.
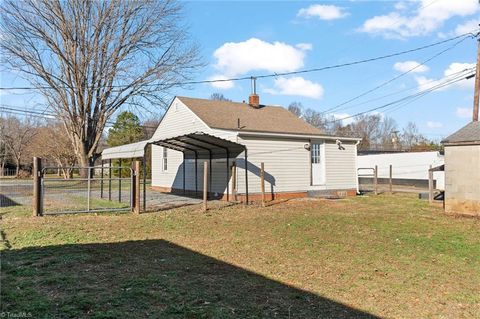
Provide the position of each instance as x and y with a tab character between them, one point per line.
193	146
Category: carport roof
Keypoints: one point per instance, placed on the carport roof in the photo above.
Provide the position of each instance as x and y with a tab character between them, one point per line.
193	144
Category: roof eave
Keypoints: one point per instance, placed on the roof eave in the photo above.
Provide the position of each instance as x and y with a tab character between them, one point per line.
446	143
295	135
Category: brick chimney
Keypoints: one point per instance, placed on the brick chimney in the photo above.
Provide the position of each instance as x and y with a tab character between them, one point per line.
254	100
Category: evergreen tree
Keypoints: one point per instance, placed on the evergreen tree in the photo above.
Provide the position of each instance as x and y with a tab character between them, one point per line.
127	129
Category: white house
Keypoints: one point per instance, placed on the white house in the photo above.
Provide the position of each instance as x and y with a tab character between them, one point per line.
299	159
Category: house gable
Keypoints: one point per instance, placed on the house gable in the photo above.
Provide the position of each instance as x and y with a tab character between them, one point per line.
179	120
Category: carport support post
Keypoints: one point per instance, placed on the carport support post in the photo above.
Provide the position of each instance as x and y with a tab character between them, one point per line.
136	187
196	174
228	172
144	163
183	167
120	182
262	182
430	185
375	180
205	185
390	180
37	187
246	177
234	181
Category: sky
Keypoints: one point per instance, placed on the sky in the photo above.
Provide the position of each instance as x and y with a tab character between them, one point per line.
249	38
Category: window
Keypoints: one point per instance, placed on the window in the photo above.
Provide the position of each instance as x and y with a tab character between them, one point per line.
165	159
315	153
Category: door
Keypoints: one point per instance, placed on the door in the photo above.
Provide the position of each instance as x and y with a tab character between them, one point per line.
318	164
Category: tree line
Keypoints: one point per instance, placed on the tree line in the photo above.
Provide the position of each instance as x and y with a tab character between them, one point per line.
377	131
21	138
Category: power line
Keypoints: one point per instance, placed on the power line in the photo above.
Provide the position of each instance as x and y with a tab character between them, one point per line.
403	90
336	107
336	66
47	115
406	99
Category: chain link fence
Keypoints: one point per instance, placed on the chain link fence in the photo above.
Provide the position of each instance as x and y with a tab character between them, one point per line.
15	194
87	189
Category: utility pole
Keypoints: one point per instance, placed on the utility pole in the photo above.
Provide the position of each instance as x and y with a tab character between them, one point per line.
477	84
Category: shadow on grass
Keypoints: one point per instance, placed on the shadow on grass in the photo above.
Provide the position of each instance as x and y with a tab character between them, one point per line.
148	279
6	201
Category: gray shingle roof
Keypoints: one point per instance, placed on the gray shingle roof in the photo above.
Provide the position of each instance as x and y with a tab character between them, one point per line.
226	114
469	134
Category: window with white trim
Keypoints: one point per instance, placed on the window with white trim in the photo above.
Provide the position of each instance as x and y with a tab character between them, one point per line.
165	159
316	159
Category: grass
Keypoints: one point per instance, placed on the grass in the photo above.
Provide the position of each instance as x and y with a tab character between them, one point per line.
384	256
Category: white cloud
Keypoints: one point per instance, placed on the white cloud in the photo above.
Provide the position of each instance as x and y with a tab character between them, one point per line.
297	86
434	125
427	17
347	119
304	46
322	12
463	112
453	70
467	27
410	66
234	58
223	85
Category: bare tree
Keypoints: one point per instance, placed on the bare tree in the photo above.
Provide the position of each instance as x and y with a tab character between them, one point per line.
366	127
149	127
18	135
411	136
89	58
52	143
219	97
296	108
4	154
386	133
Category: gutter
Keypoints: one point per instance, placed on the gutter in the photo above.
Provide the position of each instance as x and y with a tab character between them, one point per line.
460	143
299	136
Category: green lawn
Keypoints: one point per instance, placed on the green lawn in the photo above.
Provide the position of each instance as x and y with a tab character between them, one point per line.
366	257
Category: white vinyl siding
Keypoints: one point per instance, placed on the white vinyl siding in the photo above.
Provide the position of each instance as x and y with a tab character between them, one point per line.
179	120
287	162
287	165
340	165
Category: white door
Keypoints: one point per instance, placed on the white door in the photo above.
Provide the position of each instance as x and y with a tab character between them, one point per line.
318	164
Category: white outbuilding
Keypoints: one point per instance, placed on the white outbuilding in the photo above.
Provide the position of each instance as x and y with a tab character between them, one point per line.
234	139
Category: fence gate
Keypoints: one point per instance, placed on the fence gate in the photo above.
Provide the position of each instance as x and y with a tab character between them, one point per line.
86	189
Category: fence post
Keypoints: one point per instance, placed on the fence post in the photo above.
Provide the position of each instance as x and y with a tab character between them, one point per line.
262	182
101	182
391	178
430	185
205	185
37	187
89	187
136	187
375	180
